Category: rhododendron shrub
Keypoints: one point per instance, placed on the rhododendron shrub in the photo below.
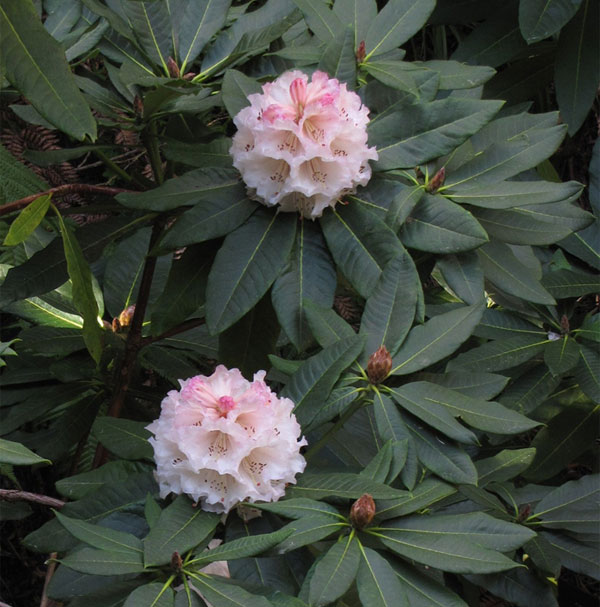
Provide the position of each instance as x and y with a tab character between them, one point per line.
302	144
223	440
363	261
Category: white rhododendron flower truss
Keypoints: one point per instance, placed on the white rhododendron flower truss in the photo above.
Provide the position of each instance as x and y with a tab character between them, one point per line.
224	440
303	145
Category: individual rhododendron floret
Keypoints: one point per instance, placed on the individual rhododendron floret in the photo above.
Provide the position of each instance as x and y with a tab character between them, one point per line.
303	145
223	440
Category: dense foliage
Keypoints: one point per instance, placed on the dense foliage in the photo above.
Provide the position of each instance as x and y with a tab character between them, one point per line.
134	257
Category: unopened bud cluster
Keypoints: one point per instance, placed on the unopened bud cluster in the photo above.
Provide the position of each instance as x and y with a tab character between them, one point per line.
379	365
362	511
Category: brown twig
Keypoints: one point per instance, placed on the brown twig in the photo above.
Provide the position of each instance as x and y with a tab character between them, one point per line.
134	341
47	602
15	495
184	326
68	188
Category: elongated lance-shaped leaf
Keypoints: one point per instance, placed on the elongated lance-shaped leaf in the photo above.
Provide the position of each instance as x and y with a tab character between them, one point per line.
321	20
335	572
35	64
83	292
236	88
436	339
227	595
539	19
357	13
16	454
151	595
340	484
27	221
248	262
504	465
376	581
576	555
104	562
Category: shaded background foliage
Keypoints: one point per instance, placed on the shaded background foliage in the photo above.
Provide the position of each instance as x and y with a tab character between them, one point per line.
405	263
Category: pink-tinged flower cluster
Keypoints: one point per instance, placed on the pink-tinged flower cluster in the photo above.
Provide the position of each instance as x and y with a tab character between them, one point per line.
303	145
223	440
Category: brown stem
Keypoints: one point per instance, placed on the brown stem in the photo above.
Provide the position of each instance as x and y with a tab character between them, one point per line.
184	326
47	602
16	495
67	188
134	341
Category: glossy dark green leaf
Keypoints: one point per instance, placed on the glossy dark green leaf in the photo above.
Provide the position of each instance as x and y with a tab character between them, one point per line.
310	386
27	221
455	75
320	19
236	88
195	23
179	528
509	274
464	275
246	345
213	154
587	373
504	465
574	554
125	438
192	187
311	276
339	60
395	74
564	283
361	245
357	13
543	555
500	324
104	562
436	339
390	310
438	225
567	435
35	64
585	244
561	355
395	24
309	529
150	595
223	594
376	581
339	484
248	262
403	204
325	324
577	69
425	131
530	390
539	19
335	572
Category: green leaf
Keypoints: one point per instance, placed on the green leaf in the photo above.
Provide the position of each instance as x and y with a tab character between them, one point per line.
27	221
426	131
575	555
587	373
438	225
436	339
540	19
83	292
209	219
104	562
179	528
248	262
500	324
561	355
242	547
475	385
423	495
564	283
483	415
334	572
464	275
572	506
123	437
455	75
310	278
310	386
195	186
463	543
339	60
339	484
151	595
509	274
585	244
417	399
308	530
103	538
184	292
213	154
361	245
357	13
567	435
530	390
247	344
543	555
508	194
376	581
390	310
236	88
498	355
395	24
443	458
422	590
395	74
577	68
320	19
17	180
379	467
503	466
326	325
17	454
403	204
35	64
297	508
223	594
195	24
